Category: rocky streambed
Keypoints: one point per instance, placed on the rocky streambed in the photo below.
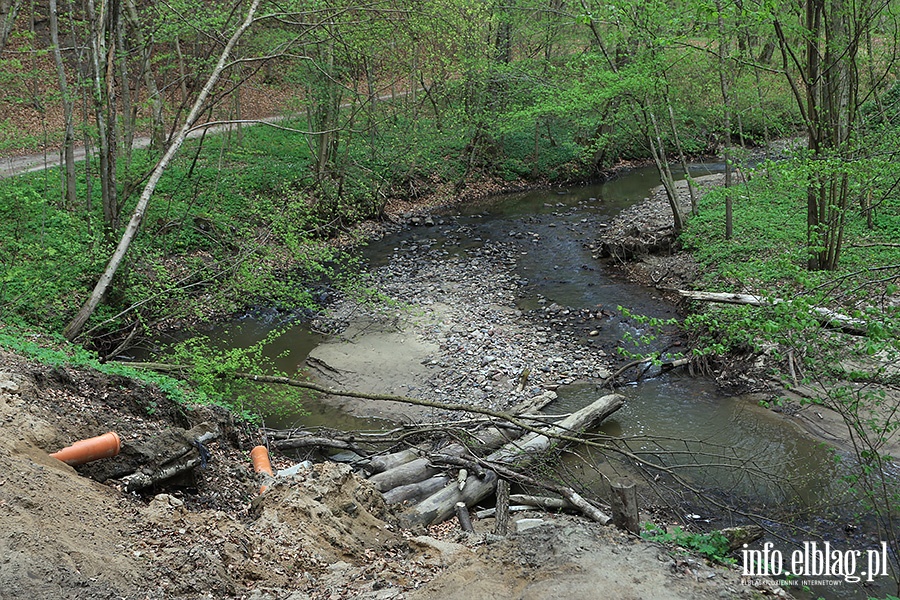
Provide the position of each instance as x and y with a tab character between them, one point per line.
454	331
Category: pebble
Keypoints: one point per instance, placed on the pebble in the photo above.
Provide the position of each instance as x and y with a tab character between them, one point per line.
486	341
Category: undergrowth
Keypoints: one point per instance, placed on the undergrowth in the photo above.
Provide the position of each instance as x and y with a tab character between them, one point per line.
713	546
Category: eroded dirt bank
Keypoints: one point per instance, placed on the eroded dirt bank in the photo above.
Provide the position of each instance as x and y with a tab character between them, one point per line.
322	534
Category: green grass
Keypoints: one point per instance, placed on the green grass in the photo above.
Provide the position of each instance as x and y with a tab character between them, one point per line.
712	546
767	255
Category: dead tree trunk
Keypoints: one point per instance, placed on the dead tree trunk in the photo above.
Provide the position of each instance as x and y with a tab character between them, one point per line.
826	316
625	509
420	469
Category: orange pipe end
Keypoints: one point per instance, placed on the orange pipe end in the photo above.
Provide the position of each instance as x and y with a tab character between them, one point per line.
85	451
261	465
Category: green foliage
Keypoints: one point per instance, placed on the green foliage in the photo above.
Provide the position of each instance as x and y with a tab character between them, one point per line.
222	373
637	346
713	546
53	350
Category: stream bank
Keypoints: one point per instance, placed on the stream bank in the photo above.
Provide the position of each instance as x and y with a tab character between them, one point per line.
323	534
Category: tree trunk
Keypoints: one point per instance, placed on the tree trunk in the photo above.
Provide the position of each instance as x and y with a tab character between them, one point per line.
99	73
74	327
416	491
826	316
68	104
625	508
129	110
658	150
682	158
419	469
9	10
501	517
157	131
825	85
182	71
726	126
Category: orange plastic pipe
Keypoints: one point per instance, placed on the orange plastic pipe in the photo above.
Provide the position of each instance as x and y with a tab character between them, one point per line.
84	451
260	457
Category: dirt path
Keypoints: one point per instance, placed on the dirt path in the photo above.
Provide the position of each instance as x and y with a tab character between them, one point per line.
17	165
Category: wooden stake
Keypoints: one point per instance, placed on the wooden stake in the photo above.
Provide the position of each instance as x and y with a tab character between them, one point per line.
624	505
465	521
501	518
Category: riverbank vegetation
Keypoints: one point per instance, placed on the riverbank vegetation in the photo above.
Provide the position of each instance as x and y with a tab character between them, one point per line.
457	95
373	110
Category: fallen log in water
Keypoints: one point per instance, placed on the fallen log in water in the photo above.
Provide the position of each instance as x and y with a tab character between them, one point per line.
442	505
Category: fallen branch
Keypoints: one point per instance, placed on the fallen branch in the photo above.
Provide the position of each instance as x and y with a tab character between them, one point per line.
520	421
309	441
182	453
664	365
826	316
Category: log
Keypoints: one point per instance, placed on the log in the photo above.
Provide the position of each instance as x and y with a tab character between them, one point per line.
545	502
492	512
586	508
415	491
826	316
738	536
180	454
309	441
441	506
384	462
420	469
465	521
143	479
407	473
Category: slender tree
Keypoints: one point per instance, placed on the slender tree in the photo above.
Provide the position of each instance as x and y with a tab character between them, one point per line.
75	326
9	10
68	104
823	69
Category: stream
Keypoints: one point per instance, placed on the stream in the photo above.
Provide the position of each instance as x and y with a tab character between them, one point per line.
767	463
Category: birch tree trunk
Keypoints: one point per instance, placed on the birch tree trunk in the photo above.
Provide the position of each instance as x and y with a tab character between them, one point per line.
75	326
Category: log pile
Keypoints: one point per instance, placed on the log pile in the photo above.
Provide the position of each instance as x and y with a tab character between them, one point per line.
434	483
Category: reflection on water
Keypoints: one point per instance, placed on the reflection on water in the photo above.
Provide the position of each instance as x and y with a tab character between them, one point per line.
716	442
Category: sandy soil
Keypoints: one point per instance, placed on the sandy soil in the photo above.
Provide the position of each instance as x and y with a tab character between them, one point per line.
324	533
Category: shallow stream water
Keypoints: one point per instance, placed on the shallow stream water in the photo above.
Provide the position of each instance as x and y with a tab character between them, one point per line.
762	460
